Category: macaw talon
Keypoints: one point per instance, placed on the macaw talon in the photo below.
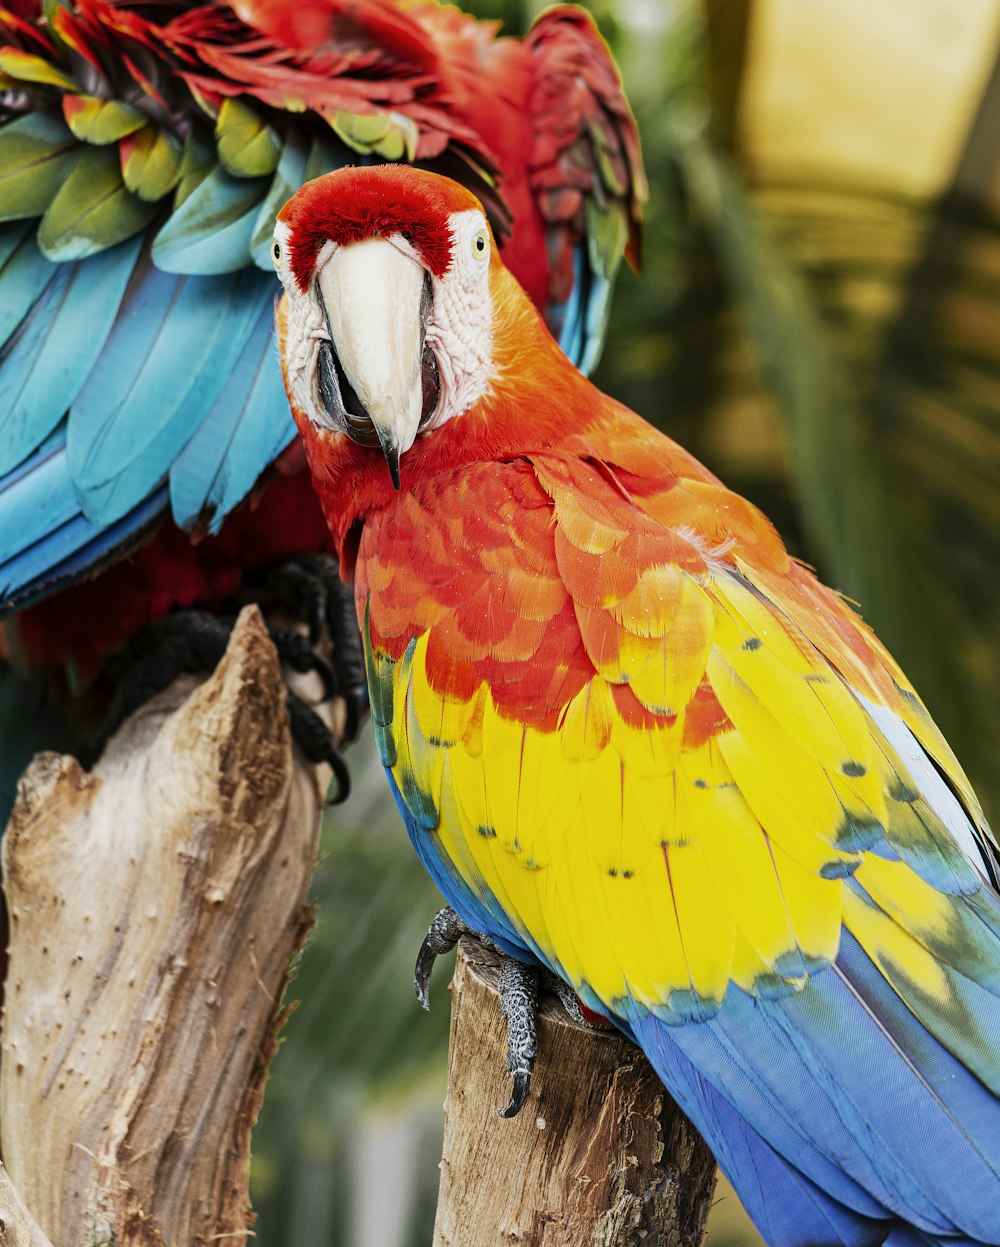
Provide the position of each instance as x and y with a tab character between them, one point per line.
573	1005
311	588
518	988
195	641
315	740
518	1095
442	936
187	641
299	653
296	585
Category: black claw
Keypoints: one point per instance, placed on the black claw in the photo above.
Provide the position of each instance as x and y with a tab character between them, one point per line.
195	641
299	653
316	741
518	1095
188	641
442	936
311	587
519	1006
422	975
348	653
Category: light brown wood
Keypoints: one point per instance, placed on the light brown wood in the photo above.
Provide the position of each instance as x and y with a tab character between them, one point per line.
598	1157
17	1226
154	906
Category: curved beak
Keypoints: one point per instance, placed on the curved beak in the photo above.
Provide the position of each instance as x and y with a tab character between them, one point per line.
373	301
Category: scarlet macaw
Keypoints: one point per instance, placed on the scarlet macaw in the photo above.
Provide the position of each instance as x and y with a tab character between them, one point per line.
144	152
633	741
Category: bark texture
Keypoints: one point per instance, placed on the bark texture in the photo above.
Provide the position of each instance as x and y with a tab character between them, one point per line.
154	905
598	1157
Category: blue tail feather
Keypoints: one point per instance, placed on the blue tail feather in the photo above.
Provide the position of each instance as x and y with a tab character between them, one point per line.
849	1088
787	1208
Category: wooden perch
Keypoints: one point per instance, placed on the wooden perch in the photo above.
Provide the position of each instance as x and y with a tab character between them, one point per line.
598	1157
155	905
18	1227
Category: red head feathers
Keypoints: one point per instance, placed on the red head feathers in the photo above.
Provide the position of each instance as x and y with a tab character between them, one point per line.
375	202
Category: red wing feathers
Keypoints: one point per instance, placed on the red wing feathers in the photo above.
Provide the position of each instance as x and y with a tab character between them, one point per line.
586	143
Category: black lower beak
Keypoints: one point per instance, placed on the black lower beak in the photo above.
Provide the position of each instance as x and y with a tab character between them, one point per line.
342	401
345	407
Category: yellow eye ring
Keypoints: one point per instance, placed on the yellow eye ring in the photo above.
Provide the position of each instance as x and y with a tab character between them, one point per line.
481	245
276	251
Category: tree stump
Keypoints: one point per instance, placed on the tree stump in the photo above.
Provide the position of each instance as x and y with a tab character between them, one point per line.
155	905
18	1227
598	1157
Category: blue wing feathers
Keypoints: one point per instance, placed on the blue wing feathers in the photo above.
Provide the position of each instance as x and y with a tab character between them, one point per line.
105	467
211	232
966	1021
786	1207
72	551
38	499
579	323
947	1078
45	540
140	405
23	277
248	427
44	365
11	236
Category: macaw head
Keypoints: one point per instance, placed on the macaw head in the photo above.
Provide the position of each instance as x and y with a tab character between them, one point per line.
388	274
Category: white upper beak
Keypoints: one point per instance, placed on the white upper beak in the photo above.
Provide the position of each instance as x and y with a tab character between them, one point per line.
371	292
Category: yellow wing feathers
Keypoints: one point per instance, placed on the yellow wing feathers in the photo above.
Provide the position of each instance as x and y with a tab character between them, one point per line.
693	814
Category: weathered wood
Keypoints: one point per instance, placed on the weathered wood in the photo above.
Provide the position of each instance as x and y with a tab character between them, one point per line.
18	1227
598	1157
155	905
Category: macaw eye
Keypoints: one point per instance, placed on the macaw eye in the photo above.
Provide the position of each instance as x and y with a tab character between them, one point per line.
276	251
481	245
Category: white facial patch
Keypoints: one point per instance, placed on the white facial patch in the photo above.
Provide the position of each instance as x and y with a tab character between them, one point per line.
459	324
460	329
306	329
